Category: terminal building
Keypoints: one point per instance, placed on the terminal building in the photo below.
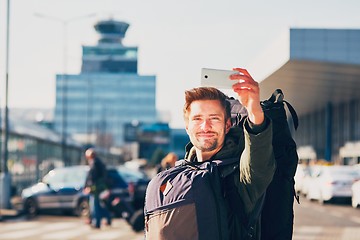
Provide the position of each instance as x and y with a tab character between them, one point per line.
319	72
94	106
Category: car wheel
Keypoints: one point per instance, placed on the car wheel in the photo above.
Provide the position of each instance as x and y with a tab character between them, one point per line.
137	221
83	208
139	203
31	207
322	201
309	197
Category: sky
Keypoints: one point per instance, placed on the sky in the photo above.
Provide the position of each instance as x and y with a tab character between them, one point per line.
175	39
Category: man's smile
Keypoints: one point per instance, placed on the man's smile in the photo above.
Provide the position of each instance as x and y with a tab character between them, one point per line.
206	135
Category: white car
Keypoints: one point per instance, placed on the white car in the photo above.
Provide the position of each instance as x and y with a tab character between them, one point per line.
302	171
355	198
330	182
311	171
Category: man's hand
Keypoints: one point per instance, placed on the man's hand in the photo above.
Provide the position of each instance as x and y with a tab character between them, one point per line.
248	92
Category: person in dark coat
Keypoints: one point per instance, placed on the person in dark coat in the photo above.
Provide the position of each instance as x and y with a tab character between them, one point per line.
94	186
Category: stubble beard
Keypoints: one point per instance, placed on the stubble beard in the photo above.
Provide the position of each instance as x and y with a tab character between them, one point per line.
207	145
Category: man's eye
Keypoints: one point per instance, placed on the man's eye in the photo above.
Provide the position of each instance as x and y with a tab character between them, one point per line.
215	119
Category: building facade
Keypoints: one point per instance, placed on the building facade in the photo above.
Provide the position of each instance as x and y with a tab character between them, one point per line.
320	77
94	106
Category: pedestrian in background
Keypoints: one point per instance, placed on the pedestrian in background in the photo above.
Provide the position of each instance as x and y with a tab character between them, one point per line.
167	162
95	185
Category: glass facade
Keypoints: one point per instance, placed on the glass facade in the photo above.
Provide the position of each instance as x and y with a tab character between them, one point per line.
336	125
107	94
109	58
326	45
343	124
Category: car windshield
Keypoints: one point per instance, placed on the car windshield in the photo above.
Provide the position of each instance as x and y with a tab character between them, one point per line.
131	175
115	179
66	177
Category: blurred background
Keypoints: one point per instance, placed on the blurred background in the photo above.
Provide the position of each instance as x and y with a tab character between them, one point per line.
111	74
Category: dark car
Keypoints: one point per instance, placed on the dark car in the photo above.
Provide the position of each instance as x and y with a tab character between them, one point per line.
62	189
137	182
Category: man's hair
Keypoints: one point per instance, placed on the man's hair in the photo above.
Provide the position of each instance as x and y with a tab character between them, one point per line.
205	93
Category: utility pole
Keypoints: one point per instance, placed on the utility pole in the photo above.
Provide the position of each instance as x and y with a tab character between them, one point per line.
5	179
64	89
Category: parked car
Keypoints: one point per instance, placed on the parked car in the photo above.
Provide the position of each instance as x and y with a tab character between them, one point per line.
307	178
355	194
137	182
61	189
302	172
331	182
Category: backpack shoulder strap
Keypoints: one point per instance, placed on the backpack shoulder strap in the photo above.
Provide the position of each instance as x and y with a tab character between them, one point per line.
293	114
278	97
226	167
238	111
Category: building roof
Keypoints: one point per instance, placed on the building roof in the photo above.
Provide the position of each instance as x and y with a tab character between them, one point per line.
313	67
30	129
310	85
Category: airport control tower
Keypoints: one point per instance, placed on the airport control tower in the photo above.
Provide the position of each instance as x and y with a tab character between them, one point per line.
108	93
110	55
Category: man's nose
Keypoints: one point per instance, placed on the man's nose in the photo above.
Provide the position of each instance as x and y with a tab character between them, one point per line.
205	125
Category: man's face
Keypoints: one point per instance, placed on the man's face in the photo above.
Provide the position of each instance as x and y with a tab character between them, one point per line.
206	126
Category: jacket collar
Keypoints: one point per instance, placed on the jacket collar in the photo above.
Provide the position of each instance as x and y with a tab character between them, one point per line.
229	150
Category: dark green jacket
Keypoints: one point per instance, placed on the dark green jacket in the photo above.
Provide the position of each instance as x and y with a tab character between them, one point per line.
253	146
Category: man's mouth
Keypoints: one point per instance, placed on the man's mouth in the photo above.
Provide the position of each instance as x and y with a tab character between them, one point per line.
206	135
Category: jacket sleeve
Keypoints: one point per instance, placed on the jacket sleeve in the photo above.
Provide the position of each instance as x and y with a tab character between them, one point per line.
257	164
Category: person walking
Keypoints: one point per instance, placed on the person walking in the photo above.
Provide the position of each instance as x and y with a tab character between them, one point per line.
95	185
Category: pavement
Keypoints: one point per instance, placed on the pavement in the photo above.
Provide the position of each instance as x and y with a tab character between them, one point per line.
14	212
8	214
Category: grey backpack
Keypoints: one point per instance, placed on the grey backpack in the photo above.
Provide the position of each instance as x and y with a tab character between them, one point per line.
188	202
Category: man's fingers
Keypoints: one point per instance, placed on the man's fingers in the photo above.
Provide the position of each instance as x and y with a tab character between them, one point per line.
245	85
242	91
242	77
243	71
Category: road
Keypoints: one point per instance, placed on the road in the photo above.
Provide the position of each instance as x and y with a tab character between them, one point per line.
55	227
336	221
312	222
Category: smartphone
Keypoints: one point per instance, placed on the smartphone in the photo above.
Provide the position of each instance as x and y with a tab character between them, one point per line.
217	78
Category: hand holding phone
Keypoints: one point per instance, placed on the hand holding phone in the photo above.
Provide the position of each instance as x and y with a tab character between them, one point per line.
217	78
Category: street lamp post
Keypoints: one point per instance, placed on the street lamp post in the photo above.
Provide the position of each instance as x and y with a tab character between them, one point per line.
5	180
65	23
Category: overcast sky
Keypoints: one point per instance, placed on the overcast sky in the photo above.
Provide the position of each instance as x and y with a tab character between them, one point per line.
175	39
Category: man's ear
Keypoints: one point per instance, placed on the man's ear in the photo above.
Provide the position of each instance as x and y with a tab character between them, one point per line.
228	125
186	128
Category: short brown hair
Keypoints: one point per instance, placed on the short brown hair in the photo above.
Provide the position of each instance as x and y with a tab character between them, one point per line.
205	93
